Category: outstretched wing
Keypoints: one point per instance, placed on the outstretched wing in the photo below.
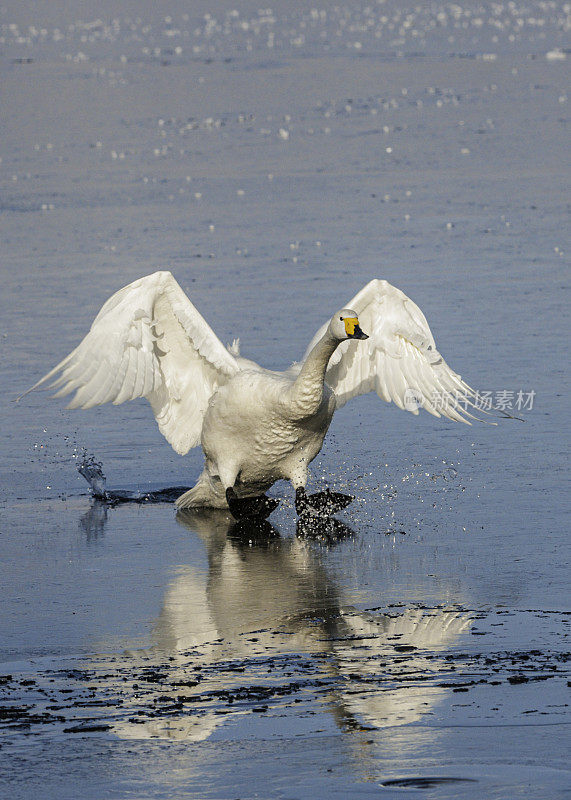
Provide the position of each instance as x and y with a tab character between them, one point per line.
149	341
399	361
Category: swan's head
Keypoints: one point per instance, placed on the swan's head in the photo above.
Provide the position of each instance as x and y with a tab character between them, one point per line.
345	325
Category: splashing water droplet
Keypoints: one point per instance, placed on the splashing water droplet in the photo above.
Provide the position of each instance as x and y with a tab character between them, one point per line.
93	473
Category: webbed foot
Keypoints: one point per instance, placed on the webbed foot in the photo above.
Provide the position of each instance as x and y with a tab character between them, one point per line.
322	503
243	507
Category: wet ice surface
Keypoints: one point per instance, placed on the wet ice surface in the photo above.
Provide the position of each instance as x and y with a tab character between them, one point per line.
276	161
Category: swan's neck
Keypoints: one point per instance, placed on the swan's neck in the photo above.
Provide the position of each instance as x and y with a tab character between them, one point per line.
307	391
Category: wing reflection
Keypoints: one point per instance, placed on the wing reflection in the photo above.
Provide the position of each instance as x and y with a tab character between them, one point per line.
386	662
264	626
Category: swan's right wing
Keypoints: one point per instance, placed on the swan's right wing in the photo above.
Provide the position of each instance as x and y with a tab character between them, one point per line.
149	341
399	360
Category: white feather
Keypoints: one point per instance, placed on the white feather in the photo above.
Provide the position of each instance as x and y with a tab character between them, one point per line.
399	360
149	341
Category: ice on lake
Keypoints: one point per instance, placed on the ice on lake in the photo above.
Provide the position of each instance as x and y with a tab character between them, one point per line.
275	160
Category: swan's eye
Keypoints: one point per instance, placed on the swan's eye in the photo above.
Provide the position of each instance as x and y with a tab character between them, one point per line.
341	318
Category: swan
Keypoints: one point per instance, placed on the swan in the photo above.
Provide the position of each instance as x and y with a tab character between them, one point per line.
256	426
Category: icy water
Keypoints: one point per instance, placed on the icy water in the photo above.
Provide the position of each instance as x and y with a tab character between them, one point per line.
276	160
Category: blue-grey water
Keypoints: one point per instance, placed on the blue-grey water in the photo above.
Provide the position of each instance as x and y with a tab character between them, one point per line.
277	159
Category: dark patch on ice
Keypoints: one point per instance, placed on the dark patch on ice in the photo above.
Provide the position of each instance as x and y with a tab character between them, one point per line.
89	728
514	679
16	716
425	782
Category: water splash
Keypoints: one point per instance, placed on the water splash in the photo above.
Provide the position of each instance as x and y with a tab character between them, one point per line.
92	471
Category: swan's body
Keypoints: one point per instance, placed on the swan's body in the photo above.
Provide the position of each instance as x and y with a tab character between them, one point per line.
255	426
252	433
260	427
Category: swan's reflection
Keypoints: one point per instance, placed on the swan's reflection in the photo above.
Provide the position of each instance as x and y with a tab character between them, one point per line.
267	613
257	582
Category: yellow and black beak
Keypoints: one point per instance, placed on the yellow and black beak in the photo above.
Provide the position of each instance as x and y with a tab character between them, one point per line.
353	330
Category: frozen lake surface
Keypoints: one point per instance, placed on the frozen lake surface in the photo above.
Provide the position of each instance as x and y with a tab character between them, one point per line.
276	160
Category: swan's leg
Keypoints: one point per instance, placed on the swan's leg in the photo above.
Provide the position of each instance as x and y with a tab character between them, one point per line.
242	507
259	506
322	503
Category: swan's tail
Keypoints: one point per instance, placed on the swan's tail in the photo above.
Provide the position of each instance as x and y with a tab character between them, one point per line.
207	493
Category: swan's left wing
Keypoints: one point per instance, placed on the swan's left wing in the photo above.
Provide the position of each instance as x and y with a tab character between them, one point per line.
149	341
399	361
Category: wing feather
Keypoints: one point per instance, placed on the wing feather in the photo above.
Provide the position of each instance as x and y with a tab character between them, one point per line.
139	390
126	388
399	360
120	378
381	383
418	379
148	340
92	393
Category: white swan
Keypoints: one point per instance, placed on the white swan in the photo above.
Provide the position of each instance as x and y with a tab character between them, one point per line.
255	426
